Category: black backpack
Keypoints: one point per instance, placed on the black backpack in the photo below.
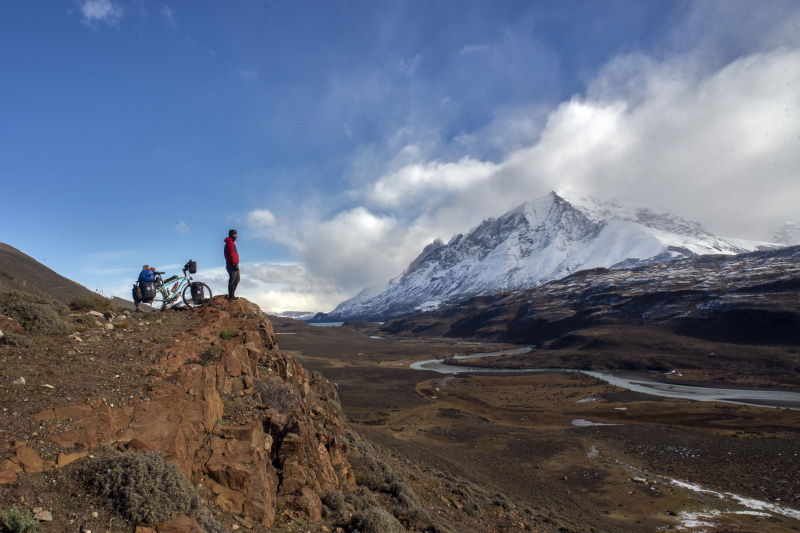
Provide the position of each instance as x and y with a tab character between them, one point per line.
148	290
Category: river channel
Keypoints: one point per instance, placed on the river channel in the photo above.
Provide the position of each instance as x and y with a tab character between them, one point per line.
631	381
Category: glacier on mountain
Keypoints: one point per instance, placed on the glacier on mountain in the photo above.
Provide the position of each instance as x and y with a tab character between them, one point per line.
537	242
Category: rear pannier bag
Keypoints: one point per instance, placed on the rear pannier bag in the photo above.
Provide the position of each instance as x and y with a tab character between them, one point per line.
191	266
137	293
197	292
148	289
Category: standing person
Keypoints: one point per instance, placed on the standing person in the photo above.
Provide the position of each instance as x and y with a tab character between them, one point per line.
232	263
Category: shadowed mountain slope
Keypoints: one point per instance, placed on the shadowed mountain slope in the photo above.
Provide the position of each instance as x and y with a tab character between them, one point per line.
747	298
20	272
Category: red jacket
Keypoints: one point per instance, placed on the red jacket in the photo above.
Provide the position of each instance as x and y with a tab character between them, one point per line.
231	253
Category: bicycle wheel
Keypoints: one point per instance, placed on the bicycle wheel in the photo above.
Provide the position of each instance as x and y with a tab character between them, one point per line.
156	304
205	294
160	300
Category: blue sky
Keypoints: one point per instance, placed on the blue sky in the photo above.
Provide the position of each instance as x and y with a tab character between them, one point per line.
341	137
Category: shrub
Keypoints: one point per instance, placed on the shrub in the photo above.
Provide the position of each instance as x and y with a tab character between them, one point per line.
207	356
16	521
278	394
143	487
408	505
92	302
334	504
14	339
369	470
376	520
229	333
378	475
35	314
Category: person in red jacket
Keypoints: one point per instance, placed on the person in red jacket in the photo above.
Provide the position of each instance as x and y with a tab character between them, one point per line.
232	263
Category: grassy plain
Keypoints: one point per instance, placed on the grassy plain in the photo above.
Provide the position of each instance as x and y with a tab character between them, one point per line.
572	448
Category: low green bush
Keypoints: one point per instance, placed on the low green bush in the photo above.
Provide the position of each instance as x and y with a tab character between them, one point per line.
143	487
17	521
14	339
92	302
35	314
207	356
229	333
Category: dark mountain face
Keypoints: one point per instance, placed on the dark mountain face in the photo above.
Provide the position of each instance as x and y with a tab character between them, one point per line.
21	272
748	298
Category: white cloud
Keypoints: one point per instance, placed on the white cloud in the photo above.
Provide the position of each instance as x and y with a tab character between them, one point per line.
260	218
278	287
101	11
419	182
472	48
245	74
169	16
709	129
182	227
409	68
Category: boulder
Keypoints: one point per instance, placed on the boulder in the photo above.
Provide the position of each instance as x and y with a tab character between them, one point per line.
9	325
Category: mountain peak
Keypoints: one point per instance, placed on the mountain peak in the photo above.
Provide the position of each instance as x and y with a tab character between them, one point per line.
537	242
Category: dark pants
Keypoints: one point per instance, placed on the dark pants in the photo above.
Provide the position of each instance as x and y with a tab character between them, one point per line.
233	278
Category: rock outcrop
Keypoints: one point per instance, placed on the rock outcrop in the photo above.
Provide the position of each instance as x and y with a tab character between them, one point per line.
235	414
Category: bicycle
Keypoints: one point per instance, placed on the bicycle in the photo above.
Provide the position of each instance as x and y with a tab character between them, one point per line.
194	293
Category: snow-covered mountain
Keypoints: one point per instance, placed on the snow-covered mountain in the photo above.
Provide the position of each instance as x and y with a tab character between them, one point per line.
535	243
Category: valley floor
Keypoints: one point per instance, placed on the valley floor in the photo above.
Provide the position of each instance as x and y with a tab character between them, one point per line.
577	452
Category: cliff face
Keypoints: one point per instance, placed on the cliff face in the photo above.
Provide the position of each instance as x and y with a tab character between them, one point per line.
286	444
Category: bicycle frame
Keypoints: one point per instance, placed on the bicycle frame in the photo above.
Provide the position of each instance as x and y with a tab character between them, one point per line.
170	291
175	287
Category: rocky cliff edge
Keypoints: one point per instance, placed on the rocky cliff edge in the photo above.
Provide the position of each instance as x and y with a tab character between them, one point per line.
286	445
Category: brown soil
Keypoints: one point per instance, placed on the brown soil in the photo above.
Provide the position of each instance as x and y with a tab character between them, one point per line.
514	434
104	366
